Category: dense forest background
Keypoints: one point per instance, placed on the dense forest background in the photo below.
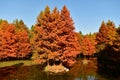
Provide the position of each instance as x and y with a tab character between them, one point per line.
53	38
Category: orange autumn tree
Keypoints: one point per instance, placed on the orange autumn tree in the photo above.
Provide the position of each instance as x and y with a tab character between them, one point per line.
7	38
68	38
40	39
116	43
106	36
13	43
109	58
23	41
88	44
54	38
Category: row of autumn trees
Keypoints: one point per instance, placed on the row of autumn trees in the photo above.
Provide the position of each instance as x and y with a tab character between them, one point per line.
108	46
53	38
108	35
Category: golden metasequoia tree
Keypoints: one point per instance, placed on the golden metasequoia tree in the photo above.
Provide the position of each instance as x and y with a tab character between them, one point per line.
106	36
14	43
53	37
107	33
109	58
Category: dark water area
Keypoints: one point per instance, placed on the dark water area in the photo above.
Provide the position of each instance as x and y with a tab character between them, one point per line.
80	71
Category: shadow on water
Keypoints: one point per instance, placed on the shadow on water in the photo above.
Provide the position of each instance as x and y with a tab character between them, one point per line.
80	71
109	63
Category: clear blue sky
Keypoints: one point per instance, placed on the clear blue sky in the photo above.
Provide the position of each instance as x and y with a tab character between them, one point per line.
87	14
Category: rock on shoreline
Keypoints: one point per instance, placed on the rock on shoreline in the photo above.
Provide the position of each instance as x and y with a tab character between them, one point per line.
56	69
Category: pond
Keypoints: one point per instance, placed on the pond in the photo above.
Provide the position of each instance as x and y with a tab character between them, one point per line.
79	71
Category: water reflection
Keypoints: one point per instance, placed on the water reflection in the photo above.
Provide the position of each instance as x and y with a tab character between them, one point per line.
89	77
80	71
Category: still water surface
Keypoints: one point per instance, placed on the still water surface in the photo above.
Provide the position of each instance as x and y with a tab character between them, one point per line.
80	71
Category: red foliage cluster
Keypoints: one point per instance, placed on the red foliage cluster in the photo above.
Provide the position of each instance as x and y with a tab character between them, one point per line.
88	45
106	36
108	46
116	43
13	43
54	38
107	33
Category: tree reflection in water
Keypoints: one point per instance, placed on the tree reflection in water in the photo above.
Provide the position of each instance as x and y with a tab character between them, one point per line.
79	71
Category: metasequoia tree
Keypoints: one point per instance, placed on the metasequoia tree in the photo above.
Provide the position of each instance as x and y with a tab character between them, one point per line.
7	38
116	44
109	57
88	44
54	38
13	43
106	35
20	25
22	34
68	39
41	37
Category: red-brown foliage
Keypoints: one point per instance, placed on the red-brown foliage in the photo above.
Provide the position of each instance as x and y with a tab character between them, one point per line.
116	43
107	33
13	44
106	36
88	44
54	38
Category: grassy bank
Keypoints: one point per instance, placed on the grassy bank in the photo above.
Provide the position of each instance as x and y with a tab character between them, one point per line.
10	63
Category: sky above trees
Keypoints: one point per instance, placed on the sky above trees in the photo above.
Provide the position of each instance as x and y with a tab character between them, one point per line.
87	14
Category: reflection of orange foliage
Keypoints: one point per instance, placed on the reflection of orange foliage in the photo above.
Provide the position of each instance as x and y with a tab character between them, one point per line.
83	69
54	38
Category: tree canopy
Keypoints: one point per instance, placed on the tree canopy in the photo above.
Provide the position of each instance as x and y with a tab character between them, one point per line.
14	43
54	37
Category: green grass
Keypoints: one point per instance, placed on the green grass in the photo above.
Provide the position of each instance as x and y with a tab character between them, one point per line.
10	63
